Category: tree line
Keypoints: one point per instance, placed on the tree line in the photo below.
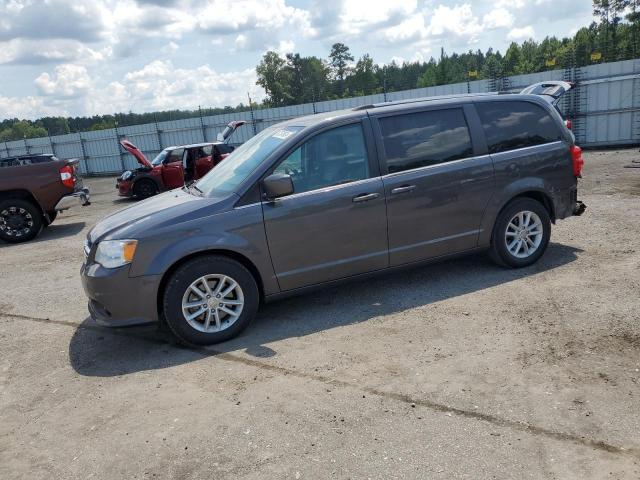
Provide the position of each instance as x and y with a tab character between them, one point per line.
293	79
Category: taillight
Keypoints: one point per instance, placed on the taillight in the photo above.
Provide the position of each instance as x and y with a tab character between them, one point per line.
567	122
67	177
578	161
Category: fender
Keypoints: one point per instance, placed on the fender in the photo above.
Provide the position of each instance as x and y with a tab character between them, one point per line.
144	175
244	237
500	199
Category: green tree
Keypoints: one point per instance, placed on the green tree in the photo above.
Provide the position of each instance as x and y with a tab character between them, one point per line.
512	59
430	76
309	78
363	81
274	77
339	59
20	130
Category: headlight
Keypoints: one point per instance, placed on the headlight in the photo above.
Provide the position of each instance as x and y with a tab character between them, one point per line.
115	253
126	175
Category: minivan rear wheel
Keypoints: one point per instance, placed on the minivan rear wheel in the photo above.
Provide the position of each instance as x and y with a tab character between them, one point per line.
521	233
209	300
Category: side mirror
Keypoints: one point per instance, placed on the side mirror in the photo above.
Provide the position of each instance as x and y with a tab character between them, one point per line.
277	185
220	137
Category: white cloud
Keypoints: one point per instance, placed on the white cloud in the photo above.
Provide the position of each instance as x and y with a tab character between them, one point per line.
458	21
159	85
357	15
229	16
523	33
27	107
170	48
411	29
81	21
498	18
68	81
34	52
285	46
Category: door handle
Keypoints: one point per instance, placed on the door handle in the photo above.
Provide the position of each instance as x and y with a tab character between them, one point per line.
365	197
403	189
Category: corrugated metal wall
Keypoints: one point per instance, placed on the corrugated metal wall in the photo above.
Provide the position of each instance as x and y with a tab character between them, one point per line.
605	109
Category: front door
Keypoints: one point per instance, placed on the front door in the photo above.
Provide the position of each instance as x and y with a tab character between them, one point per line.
334	225
172	169
436	188
204	161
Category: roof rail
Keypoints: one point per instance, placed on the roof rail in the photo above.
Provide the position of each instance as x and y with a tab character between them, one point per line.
364	107
421	99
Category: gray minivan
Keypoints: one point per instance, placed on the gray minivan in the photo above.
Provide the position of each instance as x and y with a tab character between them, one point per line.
333	196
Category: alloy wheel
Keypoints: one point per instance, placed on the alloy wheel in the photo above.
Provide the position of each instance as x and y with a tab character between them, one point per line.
212	303
524	234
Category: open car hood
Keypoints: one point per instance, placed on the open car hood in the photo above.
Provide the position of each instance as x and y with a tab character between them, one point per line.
551	90
229	129
135	151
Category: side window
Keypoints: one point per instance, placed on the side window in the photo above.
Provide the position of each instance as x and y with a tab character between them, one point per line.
511	125
329	158
175	155
420	139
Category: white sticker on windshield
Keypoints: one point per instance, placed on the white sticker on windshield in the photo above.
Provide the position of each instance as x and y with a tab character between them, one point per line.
283	134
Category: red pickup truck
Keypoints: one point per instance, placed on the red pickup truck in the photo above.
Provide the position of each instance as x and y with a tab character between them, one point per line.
174	166
33	189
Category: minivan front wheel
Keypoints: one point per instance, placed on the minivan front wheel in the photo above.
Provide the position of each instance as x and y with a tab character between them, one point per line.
521	233
209	300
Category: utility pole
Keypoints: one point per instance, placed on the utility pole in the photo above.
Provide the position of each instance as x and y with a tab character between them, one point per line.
204	130
117	145
253	119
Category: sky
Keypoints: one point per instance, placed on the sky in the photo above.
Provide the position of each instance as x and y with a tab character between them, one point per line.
71	57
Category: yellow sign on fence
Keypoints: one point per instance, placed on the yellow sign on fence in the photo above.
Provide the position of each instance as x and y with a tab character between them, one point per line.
550	62
473	73
595	56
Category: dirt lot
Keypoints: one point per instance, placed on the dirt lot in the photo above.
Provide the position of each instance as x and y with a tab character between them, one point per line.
457	370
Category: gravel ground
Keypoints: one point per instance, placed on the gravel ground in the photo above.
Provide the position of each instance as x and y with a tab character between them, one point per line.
456	370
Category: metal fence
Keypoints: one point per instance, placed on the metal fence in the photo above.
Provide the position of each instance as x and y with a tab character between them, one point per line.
604	109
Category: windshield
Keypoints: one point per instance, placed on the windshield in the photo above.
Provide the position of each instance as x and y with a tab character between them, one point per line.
227	176
159	159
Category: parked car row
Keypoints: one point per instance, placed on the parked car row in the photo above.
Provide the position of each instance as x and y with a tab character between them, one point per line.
335	196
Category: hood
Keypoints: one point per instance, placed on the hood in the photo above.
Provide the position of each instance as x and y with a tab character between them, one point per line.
146	217
551	90
229	129
135	151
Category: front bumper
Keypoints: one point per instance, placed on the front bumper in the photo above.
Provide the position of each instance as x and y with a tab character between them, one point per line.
124	187
117	300
80	197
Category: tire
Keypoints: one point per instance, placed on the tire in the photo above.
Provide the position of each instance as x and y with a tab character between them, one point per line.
20	220
219	326
516	246
52	217
144	189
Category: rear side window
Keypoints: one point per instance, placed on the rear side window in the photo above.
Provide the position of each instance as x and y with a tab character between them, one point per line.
511	125
421	139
